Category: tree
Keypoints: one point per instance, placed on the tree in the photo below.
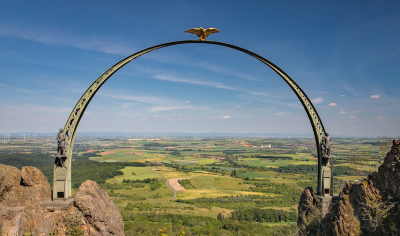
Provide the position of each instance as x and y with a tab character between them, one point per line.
220	217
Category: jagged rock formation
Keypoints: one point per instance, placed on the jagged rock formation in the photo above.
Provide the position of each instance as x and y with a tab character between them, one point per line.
94	213
369	208
94	202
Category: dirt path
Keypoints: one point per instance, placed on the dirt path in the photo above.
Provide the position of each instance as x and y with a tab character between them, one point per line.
167	183
175	184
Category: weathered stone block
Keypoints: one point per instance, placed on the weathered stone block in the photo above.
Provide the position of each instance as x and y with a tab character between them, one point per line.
13	221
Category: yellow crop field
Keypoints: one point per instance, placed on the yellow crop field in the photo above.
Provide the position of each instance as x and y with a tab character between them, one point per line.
212	193
206	161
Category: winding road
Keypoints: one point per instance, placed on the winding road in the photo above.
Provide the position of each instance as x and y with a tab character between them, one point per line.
167	182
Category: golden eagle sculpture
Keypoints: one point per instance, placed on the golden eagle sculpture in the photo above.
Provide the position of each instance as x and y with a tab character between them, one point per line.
202	33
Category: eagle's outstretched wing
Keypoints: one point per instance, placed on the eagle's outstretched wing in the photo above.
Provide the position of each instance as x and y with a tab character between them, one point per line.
211	31
195	31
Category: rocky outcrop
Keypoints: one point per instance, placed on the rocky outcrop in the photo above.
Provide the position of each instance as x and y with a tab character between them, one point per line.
99	210
31	176
9	177
308	209
93	213
369	208
14	194
388	175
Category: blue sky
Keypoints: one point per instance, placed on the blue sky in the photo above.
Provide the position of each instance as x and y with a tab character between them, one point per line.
345	55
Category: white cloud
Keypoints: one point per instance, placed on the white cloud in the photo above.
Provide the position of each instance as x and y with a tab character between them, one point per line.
282	113
187	102
342	111
375	96
342	96
226	117
237	105
332	104
164	108
144	99
173	78
190	81
317	100
144	118
381	117
352	117
184	60
257	93
128	105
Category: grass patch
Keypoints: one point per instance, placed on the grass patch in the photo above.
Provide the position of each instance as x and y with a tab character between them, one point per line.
254	175
140	173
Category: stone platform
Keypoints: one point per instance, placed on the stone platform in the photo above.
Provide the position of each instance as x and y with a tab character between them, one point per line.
57	203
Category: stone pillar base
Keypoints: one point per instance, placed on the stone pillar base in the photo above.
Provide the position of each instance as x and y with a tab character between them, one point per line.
326	202
13	220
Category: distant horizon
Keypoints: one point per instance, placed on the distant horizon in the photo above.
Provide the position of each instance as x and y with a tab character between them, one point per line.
156	135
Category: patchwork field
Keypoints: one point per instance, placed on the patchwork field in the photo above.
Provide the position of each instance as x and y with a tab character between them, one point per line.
221	175
190	194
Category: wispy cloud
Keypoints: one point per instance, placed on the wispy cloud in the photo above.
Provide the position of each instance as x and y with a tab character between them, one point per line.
18	89
159	103
332	104
172	78
128	105
284	113
226	117
317	100
191	81
352	117
375	96
102	43
26	108
143	99
342	96
186	60
160	108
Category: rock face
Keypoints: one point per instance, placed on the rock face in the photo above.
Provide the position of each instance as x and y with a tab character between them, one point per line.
308	209
9	177
93	214
99	210
369	208
31	176
14	194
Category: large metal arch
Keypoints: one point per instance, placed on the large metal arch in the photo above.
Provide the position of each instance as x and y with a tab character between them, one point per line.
72	123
